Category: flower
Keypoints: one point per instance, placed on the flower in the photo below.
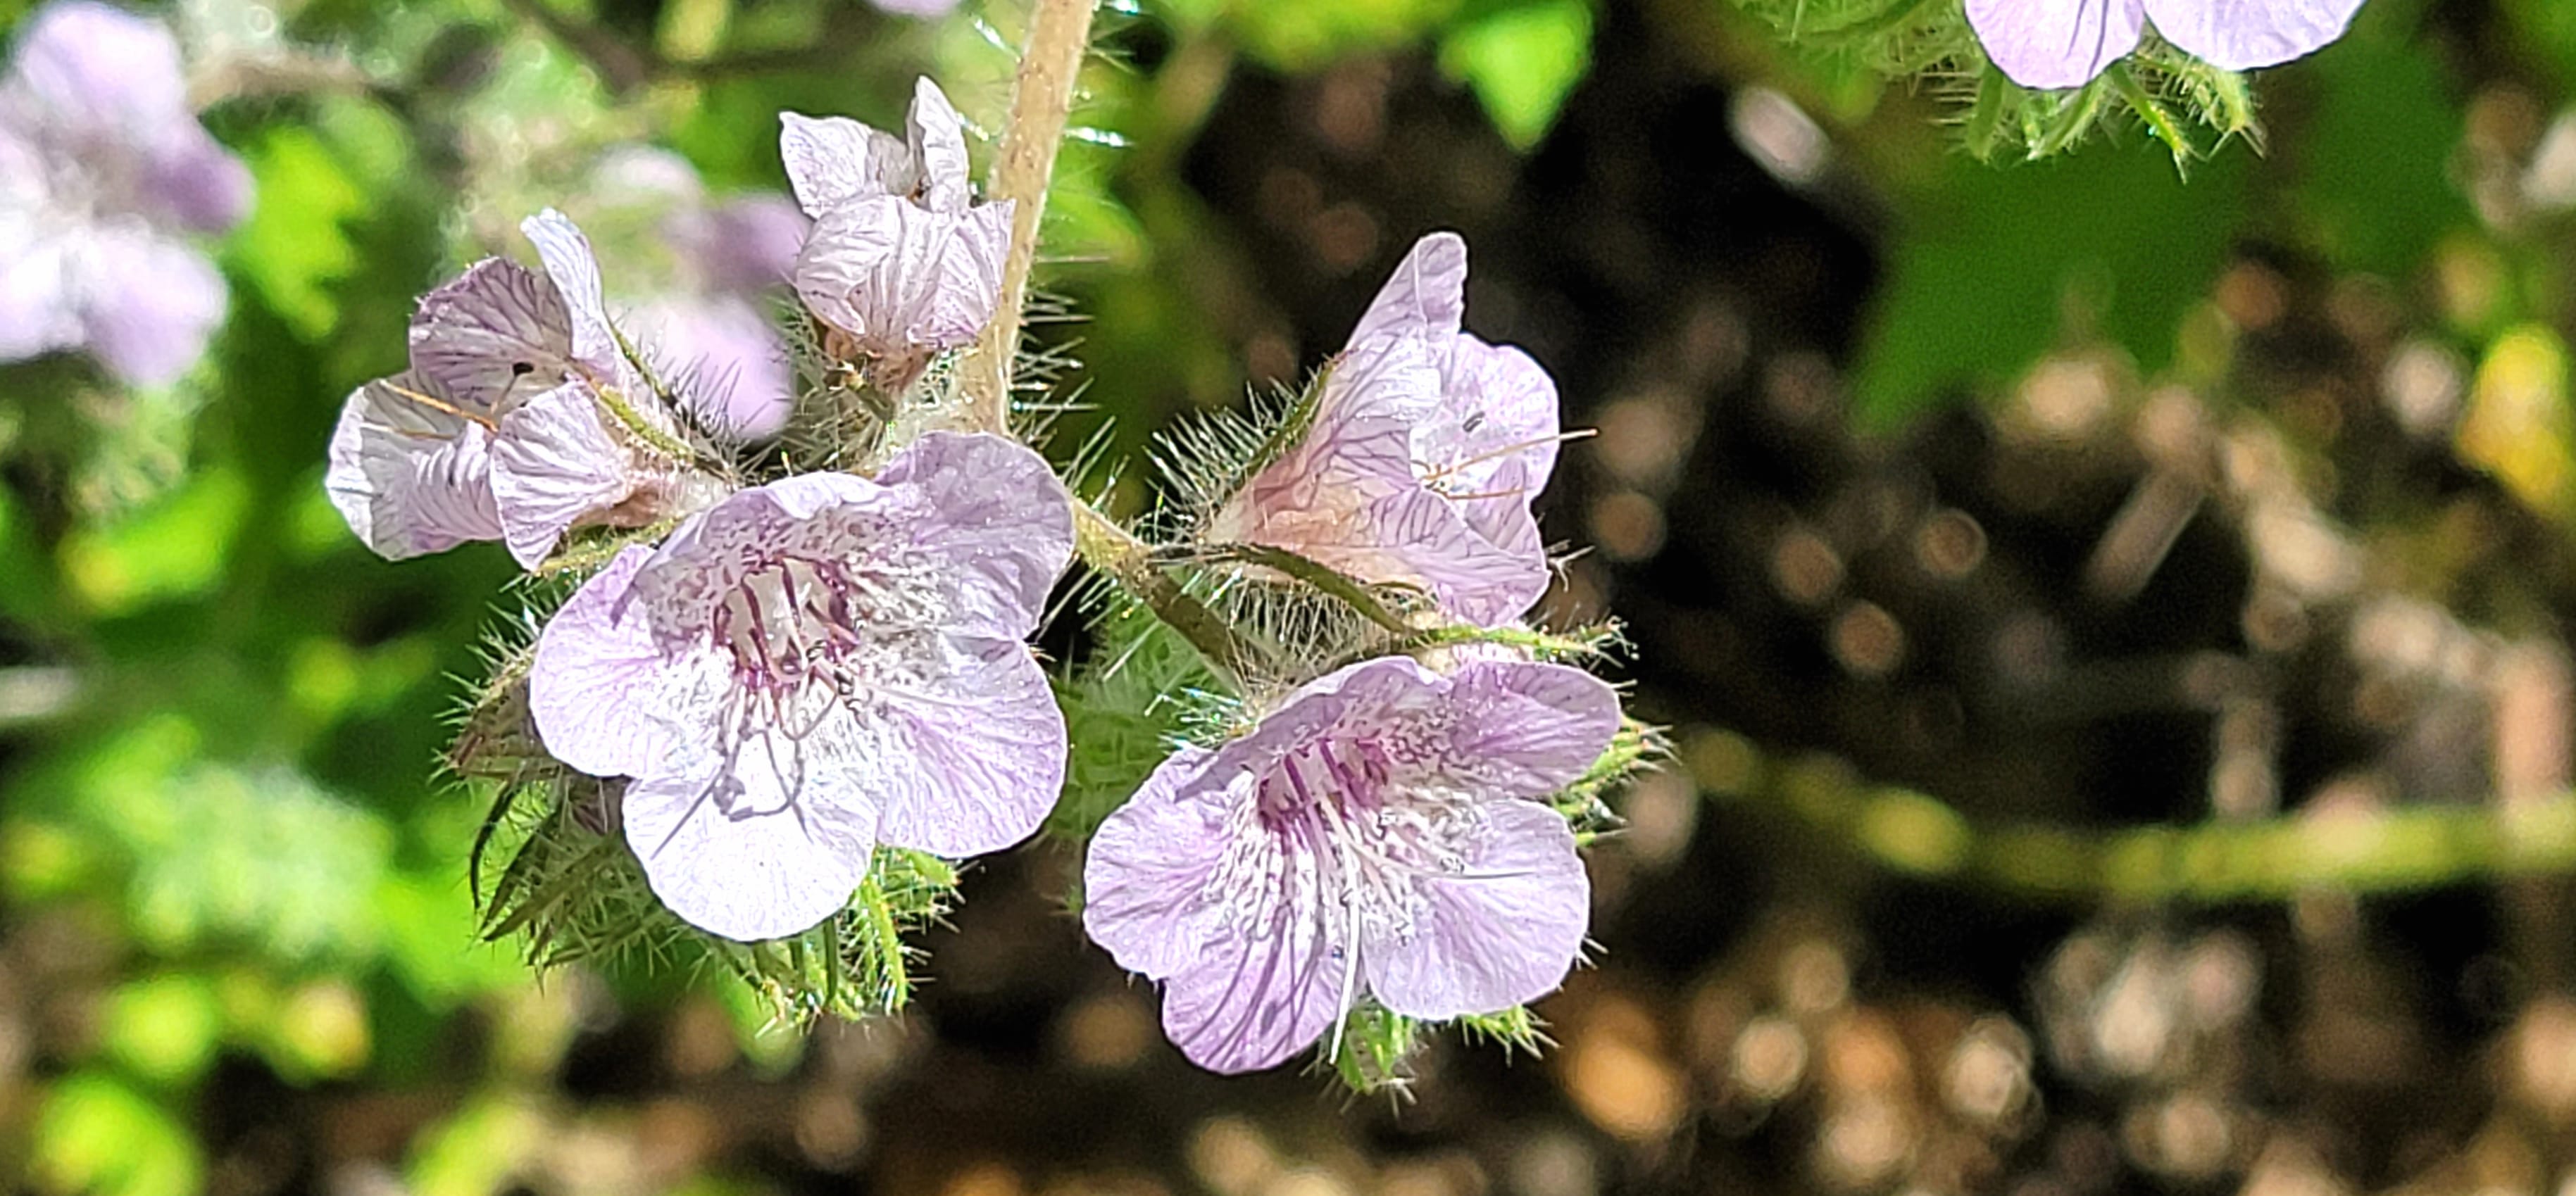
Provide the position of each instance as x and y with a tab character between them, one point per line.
501	430
1426	448
2065	43
1376	833
901	261
104	171
707	320
816	666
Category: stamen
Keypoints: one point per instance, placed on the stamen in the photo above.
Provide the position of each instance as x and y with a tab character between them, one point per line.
443	405
1507	450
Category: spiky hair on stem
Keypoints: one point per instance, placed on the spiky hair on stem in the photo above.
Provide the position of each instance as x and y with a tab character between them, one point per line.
2188	105
572	892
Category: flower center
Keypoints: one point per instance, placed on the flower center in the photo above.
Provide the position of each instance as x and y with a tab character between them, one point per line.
1330	834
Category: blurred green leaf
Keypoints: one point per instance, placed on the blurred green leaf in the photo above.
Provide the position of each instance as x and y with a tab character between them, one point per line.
1995	266
1522	62
98	1136
2373	163
163	1027
174	548
294	247
1304	35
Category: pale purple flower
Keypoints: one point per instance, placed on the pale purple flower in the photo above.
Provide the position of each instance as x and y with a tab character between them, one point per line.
1379	834
901	262
2065	43
104	171
817	666
1427	447
743	245
501	428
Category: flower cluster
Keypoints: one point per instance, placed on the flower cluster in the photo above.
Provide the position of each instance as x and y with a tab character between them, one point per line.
775	693
776	678
104	174
2058	43
1380	836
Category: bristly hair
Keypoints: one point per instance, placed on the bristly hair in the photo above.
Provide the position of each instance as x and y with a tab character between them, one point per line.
2170	94
1204	460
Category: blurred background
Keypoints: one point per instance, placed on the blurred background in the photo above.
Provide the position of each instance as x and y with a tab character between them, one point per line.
2113	623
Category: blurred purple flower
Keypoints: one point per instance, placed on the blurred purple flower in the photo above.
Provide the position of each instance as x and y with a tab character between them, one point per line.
743	245
1427	447
103	169
814	667
499	429
916	8
1376	833
901	261
2065	43
711	328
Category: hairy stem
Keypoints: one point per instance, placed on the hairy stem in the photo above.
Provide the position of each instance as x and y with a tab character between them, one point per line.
1059	35
1041	102
1122	558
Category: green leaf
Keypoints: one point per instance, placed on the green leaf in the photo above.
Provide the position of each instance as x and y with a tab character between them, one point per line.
294	247
164	1027
174	548
1311	33
1996	266
2374	181
98	1136
1522	62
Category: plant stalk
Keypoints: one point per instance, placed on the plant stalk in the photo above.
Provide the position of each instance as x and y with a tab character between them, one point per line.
1041	102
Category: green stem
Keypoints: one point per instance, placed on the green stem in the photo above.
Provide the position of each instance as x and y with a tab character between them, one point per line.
1125	560
1322	577
2391	850
1041	102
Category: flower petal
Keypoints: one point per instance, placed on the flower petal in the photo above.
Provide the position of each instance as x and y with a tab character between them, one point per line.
937	137
596	663
194	180
725	361
37	314
554	465
833	160
410	476
1522	729
1478	580
973	758
757	846
1499	416
1502	931
575	270
999	523
2243	34
2056	43
1145	872
495	334
1254	996
902	278
147	304
98	67
1425	297
744	245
